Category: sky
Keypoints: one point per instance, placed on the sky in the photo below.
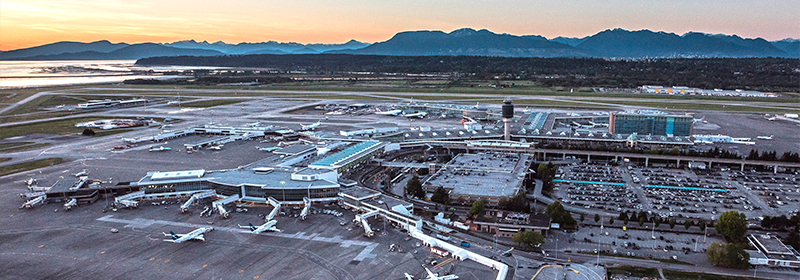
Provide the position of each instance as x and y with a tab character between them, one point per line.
28	23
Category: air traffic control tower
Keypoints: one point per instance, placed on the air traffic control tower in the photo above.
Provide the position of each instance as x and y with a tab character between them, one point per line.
508	114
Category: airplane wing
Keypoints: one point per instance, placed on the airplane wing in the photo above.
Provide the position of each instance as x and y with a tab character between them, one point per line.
431	275
409	277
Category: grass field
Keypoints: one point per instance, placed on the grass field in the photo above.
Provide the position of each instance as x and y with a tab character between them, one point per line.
9	145
65	126
107	132
26	146
706	106
2	159
28	165
523	89
633	271
208	103
680	275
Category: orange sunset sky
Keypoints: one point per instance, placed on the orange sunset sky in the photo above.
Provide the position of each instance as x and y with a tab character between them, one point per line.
27	23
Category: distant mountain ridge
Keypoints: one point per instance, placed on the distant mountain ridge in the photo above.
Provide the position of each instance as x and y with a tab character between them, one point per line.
467	41
611	43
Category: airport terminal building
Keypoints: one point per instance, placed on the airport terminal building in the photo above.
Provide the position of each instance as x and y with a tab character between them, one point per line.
285	185
650	123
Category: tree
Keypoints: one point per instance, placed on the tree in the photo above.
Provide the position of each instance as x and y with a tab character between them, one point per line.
687	224
610	220
476	208
582	217
530	238
596	218
793	239
414	187
441	195
88	132
671	223
642	219
702	224
546	173
728	255
557	213
656	221
732	225
625	221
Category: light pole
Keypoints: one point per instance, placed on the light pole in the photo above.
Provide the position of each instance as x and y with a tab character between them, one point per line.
556	245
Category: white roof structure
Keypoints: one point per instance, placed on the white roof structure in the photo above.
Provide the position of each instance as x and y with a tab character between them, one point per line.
177	174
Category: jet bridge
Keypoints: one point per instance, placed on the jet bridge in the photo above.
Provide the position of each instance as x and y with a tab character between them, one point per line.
129	200
363	220
196	197
304	213
33	202
275	203
220	203
71	203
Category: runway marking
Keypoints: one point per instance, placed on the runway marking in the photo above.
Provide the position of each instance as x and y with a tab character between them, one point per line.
365	253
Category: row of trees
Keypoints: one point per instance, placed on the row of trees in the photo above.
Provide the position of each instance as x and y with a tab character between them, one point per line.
773	156
546	173
732	226
765	74
561	216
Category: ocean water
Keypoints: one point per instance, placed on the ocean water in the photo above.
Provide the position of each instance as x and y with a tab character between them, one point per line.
22	74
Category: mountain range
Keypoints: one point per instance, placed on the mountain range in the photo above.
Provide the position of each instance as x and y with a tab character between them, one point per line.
612	43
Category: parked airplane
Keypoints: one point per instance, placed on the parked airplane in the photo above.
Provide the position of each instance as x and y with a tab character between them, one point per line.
254	124
416	115
31	181
389	113
268	149
82	173
310	126
432	276
195	234
265	227
765	137
160	149
215	147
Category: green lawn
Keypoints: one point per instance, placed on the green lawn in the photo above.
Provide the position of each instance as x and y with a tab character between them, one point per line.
29	165
680	275
633	271
2	159
28	146
207	103
9	145
706	106
65	126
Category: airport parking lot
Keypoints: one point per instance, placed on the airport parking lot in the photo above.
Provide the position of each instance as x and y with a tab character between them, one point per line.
677	193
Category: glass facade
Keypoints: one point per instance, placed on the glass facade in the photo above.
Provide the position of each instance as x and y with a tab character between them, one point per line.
653	124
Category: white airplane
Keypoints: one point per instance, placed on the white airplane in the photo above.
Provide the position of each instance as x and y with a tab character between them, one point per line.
765	137
216	147
771	119
172	102
416	115
82	173
432	276
195	234
389	113
254	124
268	226
268	149
31	182
310	126
160	149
